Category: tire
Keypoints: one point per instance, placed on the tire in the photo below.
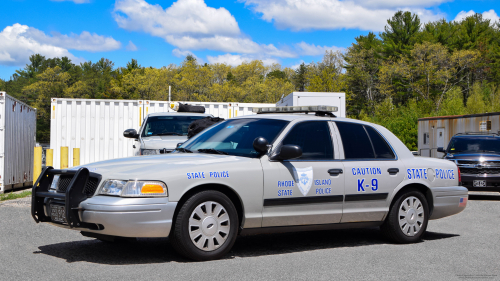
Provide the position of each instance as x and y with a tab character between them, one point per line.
414	218
205	227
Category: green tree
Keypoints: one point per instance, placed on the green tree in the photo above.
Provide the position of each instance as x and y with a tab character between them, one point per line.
300	78
400	34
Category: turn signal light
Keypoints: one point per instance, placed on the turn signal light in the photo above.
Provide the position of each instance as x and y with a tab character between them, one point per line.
152	189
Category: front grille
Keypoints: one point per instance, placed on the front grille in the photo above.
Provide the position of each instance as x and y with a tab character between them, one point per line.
63	183
467	162
89	189
474	171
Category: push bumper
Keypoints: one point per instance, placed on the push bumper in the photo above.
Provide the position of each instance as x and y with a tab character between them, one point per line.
492	182
448	200
107	215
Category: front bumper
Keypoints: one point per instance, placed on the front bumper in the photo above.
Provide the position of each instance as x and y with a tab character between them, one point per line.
447	201
492	182
107	215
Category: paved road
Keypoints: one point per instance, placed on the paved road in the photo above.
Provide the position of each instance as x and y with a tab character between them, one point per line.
462	247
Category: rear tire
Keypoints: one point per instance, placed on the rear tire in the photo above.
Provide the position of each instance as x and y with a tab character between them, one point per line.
407	219
205	227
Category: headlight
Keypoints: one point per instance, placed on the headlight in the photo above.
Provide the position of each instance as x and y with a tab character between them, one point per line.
149	151
134	188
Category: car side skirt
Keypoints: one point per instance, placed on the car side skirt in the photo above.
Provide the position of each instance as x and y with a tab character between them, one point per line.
297	228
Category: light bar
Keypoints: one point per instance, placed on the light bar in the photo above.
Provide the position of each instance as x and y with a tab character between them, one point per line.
295	109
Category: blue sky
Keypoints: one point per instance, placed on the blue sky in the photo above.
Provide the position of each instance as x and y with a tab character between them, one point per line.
158	33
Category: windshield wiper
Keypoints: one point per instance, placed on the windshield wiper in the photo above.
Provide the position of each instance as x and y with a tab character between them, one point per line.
182	149
168	134
212	150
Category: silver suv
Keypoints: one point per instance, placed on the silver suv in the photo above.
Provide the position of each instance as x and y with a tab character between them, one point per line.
161	132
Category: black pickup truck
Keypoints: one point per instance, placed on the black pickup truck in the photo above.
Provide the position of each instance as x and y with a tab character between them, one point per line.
478	157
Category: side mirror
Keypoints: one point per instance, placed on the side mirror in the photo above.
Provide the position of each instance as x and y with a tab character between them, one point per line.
261	145
288	151
441	149
131	134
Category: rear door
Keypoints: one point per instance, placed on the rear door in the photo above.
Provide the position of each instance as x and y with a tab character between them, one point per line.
308	190
372	172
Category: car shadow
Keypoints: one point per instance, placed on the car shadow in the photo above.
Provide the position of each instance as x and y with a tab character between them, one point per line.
159	250
482	197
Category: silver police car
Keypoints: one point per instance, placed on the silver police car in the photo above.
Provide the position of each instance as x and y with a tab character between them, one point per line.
284	169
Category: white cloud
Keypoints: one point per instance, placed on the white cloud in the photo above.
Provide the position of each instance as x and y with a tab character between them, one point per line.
313	50
336	14
131	46
191	25
181	53
21	41
76	1
398	3
491	15
83	42
236	60
16	47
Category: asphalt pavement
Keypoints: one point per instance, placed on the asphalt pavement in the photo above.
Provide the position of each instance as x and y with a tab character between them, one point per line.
461	247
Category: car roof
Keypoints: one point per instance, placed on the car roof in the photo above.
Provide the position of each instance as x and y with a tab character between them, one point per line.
301	116
178	114
476	136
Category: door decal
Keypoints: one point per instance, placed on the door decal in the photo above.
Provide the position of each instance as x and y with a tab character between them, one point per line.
304	179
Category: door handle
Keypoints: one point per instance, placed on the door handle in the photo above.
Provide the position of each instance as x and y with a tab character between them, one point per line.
335	172
133	146
393	171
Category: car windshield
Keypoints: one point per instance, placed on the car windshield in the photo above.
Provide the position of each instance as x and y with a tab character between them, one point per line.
235	137
168	125
474	145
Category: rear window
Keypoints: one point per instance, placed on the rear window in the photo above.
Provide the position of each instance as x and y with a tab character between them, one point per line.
363	142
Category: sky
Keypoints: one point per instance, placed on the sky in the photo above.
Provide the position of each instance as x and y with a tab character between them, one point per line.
158	33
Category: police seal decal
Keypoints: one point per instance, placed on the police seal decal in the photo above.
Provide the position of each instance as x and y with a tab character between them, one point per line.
304	179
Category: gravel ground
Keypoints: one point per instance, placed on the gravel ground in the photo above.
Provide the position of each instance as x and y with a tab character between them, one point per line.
462	247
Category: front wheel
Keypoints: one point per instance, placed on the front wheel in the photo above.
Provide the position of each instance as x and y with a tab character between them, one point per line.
407	218
206	226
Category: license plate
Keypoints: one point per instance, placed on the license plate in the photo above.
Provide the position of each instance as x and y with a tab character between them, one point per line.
58	213
480	183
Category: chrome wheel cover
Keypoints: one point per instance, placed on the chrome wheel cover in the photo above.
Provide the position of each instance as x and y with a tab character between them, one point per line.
209	226
411	216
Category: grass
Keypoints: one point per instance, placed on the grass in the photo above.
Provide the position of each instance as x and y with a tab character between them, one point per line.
10	196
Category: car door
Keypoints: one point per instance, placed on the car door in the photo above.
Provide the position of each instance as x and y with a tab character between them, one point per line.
372	172
307	190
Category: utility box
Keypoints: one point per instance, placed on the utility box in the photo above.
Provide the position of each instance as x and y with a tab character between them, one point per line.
17	142
315	98
434	132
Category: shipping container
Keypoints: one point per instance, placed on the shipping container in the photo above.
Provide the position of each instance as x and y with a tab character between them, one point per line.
434	132
96	126
17	142
316	98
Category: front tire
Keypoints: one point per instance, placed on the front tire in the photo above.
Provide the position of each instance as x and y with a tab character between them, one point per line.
205	227
407	219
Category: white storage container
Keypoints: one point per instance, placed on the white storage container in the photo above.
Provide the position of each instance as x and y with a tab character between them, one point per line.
17	142
96	126
315	98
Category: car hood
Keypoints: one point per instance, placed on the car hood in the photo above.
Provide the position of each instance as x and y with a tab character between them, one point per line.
471	156
161	166
160	142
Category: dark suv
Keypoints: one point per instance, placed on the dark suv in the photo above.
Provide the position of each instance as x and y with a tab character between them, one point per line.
478	157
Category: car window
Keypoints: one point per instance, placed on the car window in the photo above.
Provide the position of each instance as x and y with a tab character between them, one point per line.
168	125
236	136
474	145
382	148
355	140
314	138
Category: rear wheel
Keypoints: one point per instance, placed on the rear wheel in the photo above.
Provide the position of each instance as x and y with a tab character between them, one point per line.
407	218
205	227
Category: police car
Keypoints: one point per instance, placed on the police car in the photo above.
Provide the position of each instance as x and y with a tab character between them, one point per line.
284	169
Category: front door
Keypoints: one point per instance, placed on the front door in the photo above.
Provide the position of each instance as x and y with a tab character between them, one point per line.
308	190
